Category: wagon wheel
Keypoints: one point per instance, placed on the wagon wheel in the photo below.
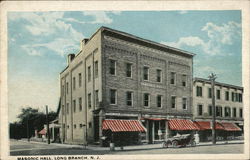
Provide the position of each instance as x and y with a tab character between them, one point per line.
166	144
193	143
175	144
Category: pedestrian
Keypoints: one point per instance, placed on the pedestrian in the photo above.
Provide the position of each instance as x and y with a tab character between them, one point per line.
196	138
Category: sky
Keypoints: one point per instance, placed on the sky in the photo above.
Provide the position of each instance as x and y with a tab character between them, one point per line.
38	44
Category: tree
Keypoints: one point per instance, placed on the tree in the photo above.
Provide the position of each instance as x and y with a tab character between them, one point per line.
30	119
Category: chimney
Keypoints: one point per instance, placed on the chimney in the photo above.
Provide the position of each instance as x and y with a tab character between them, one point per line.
71	56
83	43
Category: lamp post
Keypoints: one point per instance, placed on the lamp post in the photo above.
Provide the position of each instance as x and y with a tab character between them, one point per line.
212	78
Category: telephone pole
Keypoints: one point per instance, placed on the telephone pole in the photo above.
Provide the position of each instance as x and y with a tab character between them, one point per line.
47	120
212	78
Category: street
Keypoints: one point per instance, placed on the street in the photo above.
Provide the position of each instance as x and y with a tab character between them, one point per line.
34	148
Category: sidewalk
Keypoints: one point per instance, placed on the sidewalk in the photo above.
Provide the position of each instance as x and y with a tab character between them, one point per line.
134	147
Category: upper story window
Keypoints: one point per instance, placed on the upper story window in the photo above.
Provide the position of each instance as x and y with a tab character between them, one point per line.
129	70
184	103
210	110
74	105
112	67
67	87
159	101
67	108
158	75
226	95
184	80
129	98
240	97
227	111
241	113
145	73
218	111
146	99
96	98
209	92
198	91
80	103
236	97
74	83
89	73
218	94
172	77
113	96
200	110
233	99
62	89
80	79
234	112
89	100
173	101
96	69
62	109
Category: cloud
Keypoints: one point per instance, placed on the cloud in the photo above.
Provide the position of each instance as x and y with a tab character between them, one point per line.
31	50
217	37
99	17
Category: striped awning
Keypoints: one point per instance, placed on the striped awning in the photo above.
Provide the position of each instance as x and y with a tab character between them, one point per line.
120	125
230	126
182	125
206	125
42	132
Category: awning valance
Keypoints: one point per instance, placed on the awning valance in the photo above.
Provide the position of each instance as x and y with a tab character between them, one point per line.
120	125
182	124
42	132
154	119
230	126
206	125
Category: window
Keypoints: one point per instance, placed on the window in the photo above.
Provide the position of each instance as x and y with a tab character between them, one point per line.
218	94
172	78
89	100
80	103
227	111
199	91
159	99
89	74
226	95
74	126
74	83
62	109
200	111
129	98
146	99
74	105
184	103
96	69
184	80
233	96
129	70
236	97
62	89
145	73
234	112
173	99
67	87
112	67
209	92
210	110
241	113
80	125
218	111
158	75
96	98
240	97
67	108
112	96
90	125
80	79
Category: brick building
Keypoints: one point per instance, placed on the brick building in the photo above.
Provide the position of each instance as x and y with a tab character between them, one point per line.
229	107
118	77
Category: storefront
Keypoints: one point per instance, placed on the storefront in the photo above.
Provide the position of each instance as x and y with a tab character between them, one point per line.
122	132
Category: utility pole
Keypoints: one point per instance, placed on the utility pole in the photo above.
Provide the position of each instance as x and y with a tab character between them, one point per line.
47	120
212	78
28	134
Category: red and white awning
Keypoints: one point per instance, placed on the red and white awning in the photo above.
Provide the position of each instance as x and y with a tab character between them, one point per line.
206	125
230	126
182	124
120	125
42	132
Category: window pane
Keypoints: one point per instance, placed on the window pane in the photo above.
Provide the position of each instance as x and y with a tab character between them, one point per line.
159	97
112	67
173	102
145	73
129	98
184	103
158	78
172	78
129	70
112	96
210	111
89	74
209	92
184	79
200	110
146	99
80	79
96	69
89	100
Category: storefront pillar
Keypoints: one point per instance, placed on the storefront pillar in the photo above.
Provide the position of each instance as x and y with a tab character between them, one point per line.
147	133
167	134
153	131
